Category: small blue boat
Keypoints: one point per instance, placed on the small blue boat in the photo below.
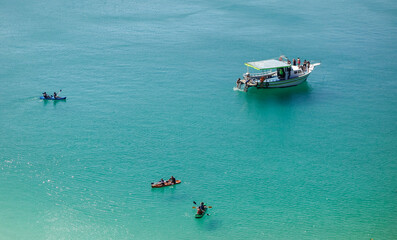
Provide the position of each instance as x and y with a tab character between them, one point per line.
52	98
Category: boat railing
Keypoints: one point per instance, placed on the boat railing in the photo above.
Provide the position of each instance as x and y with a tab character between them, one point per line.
255	76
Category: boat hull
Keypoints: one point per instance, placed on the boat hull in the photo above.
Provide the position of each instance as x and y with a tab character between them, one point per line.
52	98
282	83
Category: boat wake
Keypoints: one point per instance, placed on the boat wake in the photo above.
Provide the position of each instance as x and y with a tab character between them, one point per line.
238	89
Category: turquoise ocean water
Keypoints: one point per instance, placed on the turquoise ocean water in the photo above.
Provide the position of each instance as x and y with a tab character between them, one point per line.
150	95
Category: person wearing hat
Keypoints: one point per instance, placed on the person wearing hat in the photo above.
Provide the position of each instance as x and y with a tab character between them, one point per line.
45	95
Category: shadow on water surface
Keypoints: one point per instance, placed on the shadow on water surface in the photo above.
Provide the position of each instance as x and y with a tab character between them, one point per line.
53	102
209	224
281	95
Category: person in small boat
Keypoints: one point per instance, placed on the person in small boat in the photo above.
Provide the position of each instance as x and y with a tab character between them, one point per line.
199	211
202	206
308	65
45	95
56	95
162	182
172	180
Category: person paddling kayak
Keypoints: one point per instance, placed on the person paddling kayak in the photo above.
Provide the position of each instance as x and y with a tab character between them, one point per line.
45	95
162	182
199	211
56	95
202	206
172	180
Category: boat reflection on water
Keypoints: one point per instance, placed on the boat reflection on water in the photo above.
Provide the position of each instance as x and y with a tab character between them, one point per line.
301	92
277	105
52	102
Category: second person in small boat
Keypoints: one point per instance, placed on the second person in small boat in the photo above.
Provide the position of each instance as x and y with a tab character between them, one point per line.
172	180
199	211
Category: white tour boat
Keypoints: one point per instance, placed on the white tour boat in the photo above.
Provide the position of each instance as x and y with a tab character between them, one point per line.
275	74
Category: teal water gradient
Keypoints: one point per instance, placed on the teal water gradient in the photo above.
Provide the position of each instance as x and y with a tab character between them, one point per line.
150	95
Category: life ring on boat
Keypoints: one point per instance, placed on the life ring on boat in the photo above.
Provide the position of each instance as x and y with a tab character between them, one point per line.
267	84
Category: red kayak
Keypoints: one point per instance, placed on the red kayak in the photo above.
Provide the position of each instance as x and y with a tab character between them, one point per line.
166	184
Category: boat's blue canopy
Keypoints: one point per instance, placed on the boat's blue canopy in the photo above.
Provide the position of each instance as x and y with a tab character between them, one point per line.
267	64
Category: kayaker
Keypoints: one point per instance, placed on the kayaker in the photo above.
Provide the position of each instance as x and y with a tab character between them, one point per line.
55	95
172	180
45	95
202	206
199	211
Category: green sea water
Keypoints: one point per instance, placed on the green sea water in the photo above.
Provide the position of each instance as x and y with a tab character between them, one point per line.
149	88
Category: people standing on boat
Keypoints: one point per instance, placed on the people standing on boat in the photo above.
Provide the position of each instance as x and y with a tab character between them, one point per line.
294	62
247	77
308	65
299	61
262	79
280	58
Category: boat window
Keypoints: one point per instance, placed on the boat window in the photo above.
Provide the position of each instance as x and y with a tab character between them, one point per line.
295	72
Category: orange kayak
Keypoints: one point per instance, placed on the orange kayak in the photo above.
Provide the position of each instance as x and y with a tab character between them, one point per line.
166	184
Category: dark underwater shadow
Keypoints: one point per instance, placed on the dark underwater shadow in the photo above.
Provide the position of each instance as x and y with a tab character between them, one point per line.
213	224
52	102
282	95
209	224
